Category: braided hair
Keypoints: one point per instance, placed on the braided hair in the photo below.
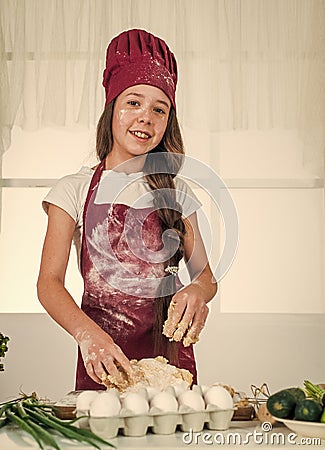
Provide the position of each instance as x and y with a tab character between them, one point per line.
160	171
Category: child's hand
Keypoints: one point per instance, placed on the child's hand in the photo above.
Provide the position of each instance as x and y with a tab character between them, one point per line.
187	314
102	356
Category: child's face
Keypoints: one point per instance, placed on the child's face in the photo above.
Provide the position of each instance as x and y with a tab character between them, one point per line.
139	120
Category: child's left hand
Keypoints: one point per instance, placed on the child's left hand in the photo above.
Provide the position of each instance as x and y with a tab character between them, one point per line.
187	314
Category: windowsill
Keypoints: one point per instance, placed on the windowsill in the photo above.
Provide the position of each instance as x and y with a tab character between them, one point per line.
274	183
232	183
27	182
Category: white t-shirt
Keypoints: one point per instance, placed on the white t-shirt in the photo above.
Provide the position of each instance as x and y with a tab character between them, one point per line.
70	193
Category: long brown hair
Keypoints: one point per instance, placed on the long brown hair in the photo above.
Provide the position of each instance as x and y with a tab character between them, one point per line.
167	208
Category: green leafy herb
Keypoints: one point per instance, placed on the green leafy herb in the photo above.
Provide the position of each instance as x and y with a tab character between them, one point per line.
3	348
315	392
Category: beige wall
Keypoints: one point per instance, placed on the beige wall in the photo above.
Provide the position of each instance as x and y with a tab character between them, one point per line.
239	349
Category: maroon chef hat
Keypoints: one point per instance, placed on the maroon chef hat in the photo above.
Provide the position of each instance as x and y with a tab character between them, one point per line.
138	57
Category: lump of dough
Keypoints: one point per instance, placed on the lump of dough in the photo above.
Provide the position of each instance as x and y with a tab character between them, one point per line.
151	372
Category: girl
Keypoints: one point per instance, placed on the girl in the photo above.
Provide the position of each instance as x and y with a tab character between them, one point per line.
129	252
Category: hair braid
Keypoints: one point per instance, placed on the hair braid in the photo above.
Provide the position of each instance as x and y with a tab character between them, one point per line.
160	172
172	227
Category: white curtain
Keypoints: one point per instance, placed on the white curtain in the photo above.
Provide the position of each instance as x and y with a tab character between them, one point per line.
244	64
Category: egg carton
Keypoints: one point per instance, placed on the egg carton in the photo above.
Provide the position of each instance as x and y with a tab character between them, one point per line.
134	413
156	421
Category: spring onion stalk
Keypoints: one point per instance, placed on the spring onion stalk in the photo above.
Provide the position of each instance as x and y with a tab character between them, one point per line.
37	419
315	392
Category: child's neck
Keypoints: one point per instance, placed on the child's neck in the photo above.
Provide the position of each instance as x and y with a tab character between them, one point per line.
130	165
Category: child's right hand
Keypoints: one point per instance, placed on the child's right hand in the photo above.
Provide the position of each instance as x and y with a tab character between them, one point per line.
101	355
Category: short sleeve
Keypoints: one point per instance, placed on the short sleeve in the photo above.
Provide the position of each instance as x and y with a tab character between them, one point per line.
69	194
186	198
63	195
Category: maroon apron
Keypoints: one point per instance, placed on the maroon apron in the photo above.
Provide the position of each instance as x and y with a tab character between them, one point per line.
127	318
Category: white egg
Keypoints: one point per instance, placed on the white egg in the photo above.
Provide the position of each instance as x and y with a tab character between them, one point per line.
113	391
151	392
106	404
142	392
135	403
170	390
180	387
192	399
164	401
204	388
84	399
218	396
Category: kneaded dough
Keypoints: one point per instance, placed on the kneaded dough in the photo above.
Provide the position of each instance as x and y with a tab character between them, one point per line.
150	372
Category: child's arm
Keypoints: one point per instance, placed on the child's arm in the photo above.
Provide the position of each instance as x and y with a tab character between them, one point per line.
189	305
97	347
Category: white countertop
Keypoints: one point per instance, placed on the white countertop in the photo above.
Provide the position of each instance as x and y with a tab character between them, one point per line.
240	434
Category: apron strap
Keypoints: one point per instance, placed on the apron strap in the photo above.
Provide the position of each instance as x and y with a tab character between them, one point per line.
92	187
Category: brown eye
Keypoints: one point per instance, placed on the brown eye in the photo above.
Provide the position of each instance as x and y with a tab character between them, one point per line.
133	103
159	111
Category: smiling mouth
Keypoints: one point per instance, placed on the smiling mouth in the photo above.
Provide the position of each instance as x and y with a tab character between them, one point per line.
140	134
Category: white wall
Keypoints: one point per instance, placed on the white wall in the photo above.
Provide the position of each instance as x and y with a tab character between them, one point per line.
41	357
239	349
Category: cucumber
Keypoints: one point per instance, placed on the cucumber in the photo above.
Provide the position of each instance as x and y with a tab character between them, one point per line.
298	393
322	417
281	404
308	410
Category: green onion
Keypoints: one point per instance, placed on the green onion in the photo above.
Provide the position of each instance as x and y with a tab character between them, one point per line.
44	435
3	409
38	421
4	422
24	426
21	410
67	430
315	392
